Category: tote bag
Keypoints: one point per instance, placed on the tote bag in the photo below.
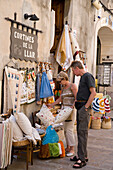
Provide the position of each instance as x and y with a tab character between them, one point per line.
45	89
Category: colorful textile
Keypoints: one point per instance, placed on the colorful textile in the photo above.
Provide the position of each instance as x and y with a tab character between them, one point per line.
37	87
45	116
44	151
30	86
63	54
5	143
60	149
54	149
23	99
63	115
63	149
13	84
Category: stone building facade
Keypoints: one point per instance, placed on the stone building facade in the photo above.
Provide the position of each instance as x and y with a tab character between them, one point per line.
93	29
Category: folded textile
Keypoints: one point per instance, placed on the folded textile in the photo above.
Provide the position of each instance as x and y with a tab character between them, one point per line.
40	131
44	151
63	149
54	149
60	149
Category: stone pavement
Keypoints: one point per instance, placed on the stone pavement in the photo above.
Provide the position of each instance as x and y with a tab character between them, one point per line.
100	154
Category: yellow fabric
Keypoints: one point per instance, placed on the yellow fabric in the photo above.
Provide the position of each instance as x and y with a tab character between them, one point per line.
62	49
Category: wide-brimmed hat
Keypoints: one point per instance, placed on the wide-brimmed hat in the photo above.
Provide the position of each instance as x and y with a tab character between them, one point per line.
62	75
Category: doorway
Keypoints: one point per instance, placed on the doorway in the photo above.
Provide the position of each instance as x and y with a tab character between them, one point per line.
58	7
105	55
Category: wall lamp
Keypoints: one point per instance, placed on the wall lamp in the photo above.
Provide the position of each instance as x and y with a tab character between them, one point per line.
31	17
96	4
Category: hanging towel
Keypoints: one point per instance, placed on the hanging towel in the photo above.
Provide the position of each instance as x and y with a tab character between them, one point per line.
54	149
45	89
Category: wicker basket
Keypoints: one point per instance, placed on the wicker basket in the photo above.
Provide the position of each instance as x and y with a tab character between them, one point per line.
106	124
90	120
96	124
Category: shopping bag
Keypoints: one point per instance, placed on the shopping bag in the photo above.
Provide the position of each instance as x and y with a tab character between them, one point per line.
45	89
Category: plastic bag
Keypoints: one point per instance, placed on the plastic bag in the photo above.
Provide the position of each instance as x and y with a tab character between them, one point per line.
50	137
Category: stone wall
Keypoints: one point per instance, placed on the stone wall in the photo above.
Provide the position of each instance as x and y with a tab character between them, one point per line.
42	9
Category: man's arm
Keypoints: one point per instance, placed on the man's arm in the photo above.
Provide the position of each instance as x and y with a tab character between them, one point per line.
91	97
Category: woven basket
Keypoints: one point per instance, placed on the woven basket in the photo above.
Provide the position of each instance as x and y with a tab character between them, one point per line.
90	120
106	124
96	124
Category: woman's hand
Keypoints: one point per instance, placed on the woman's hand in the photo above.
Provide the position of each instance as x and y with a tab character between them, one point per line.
72	106
49	105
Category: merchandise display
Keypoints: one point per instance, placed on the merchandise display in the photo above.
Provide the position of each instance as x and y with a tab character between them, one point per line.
45	116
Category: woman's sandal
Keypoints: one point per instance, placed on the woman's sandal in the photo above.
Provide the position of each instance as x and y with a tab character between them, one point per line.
76	159
79	164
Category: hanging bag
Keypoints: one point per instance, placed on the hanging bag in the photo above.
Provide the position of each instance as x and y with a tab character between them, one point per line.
45	89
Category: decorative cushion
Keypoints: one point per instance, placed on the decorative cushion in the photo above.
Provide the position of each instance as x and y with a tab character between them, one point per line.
63	115
45	116
17	133
26	126
24	123
36	134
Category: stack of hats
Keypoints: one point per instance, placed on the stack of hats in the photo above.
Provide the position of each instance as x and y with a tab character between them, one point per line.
107	106
101	105
95	105
98	105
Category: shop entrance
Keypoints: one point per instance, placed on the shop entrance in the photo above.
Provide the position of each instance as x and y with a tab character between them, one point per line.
58	7
105	55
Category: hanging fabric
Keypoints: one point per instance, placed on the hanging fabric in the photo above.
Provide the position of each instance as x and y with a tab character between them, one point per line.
30	86
37	87
6	136
12	89
45	89
64	54
74	45
23	99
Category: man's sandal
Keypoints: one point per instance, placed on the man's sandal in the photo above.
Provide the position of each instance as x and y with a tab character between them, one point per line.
79	165
76	159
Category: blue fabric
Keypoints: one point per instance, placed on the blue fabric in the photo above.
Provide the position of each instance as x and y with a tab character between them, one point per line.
37	87
50	136
45	89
